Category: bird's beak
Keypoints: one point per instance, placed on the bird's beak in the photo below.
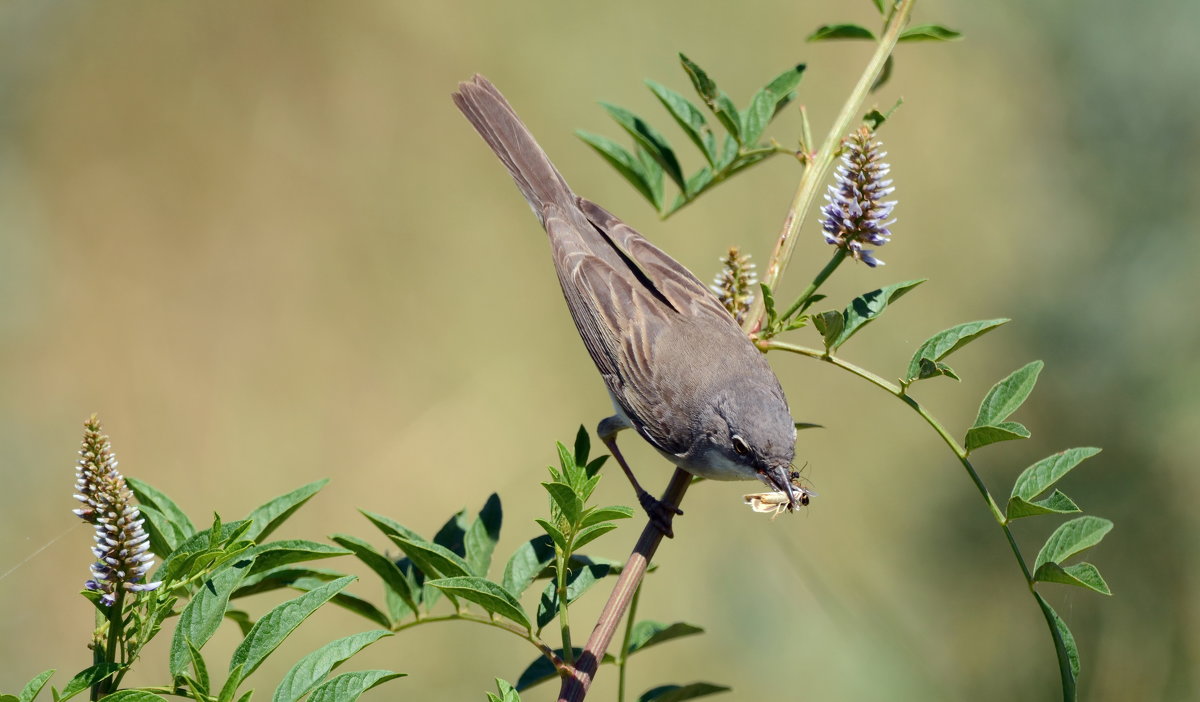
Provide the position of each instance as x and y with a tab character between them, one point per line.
780	478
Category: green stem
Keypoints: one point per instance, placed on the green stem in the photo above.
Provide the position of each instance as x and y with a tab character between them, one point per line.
115	625
623	656
959	451
502	625
810	181
838	256
564	621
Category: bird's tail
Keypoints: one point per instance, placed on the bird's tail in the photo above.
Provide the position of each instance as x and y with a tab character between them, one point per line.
495	120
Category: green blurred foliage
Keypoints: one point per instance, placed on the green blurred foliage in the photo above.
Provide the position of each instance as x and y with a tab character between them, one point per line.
260	241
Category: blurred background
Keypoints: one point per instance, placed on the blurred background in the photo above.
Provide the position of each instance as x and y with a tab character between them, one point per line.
259	240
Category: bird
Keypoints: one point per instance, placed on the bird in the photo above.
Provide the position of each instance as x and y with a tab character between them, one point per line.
678	368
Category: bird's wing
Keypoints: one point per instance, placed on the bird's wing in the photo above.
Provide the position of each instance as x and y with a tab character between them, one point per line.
619	317
685	293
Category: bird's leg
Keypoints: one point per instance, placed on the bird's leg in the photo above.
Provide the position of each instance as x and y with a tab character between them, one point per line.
660	512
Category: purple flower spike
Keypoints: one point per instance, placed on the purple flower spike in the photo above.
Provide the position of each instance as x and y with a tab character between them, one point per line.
856	213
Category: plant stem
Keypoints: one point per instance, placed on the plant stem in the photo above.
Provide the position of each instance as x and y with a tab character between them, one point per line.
907	399
838	256
575	686
503	625
623	656
115	624
560	576
812	177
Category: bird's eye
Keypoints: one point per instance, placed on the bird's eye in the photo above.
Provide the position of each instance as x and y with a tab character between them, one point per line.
739	445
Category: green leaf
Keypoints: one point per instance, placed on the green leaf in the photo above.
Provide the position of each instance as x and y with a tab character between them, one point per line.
595	515
1064	648
1035	479
884	75
9	698
202	616
564	497
148	495
756	116
676	693
278	624
432	559
1083	575
624	162
648	633
589	534
133	696
689	118
200	681
1070	538
507	693
312	669
869	306
526	562
85	678
648	138
697	182
879	5
783	86
274	554
946	342
706	88
165	536
34	687
829	325
557	536
348	687
583	446
769	305
579	581
269	516
198	553
991	434
479	542
932	369
486	594
1006	396
347	601
229	689
929	32
840	31
807	425
393	578
1056	503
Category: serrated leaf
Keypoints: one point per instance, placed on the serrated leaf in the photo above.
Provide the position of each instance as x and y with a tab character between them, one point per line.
1004	431
270	631
486	594
756	116
946	342
1083	575
579	581
649	138
827	32
929	32
867	307
1064	648
689	118
393	578
649	633
1056	503
269	516
202	615
312	669
526	562
564	497
623	162
595	515
1006	396
1035	479
677	693
589	534
348	687
1072	537
85	678
34	687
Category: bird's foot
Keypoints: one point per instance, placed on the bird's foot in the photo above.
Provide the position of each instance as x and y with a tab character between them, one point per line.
660	513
